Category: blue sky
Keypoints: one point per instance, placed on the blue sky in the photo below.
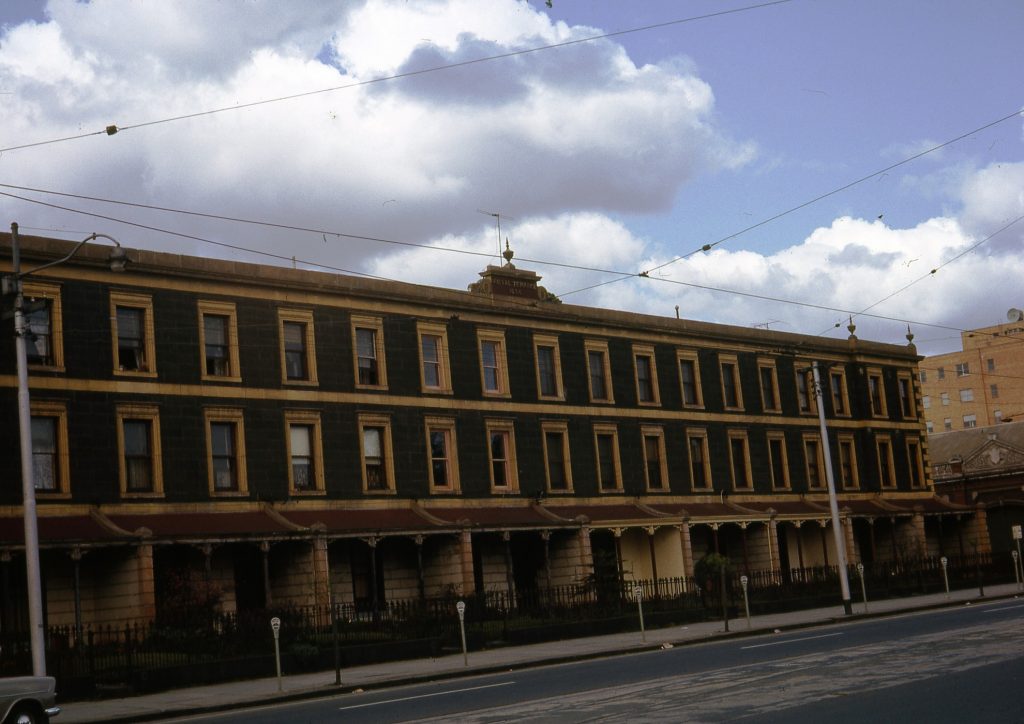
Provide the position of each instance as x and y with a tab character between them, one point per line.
620	154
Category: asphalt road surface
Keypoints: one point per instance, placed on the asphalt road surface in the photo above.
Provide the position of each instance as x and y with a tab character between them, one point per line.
953	665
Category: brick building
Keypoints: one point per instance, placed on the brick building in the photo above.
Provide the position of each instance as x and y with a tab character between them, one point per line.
981	385
298	436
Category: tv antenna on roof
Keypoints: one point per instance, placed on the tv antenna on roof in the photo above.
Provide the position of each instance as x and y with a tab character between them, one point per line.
497	221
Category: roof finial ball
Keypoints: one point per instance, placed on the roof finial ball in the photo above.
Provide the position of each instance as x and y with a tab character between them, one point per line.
508	253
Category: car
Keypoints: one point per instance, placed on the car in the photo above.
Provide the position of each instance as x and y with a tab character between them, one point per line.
28	699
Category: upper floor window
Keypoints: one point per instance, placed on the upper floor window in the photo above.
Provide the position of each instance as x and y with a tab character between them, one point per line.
444	467
218	338
133	334
493	363
732	393
848	475
50	448
876	391
967	395
814	461
689	379
139	442
963	369
778	464
769	385
906	389
915	462
929	426
805	400
305	451
435	372
599	372
990	364
926	402
368	336
501	451
225	442
43	318
655	466
549	367
298	358
923	375
993	391
739	460
944	398
947	424
837	389
970	421
646	375
606	444
886	467
700	465
375	453
940	373
556	456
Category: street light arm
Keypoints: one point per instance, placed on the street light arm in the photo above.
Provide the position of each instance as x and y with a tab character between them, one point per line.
117	255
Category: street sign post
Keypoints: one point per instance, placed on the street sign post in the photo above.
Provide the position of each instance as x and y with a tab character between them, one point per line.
945	574
461	608
1018	559
638	594
746	601
863	586
275	626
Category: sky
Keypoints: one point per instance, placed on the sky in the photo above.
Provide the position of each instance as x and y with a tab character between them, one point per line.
613	140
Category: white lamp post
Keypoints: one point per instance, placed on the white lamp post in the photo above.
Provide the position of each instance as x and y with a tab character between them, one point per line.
12	286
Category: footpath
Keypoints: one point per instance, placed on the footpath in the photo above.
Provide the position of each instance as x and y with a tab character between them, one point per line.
238	694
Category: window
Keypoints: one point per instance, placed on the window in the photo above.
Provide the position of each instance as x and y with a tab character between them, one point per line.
732	394
926	402
138	439
43	319
769	385
944	398
915	462
805	399
501	449
435	371
646	375
599	371
700	465
225	451
929	426
778	465
940	373
849	478
689	379
923	376
947	424
655	466
493	363
368	336
50	448
549	367
905	385
998	415
990	364
814	462
837	390
441	447
556	456
970	421
993	391
609	470
133	334
305	451
963	369
876	391
218	339
886	469
967	395
298	350
739	460
375	454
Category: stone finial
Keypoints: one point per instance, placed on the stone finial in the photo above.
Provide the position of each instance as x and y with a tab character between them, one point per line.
910	335
508	253
852	328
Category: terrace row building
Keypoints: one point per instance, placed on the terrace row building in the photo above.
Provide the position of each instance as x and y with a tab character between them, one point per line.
299	437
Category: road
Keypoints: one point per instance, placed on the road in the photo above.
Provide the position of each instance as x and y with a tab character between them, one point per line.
962	664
